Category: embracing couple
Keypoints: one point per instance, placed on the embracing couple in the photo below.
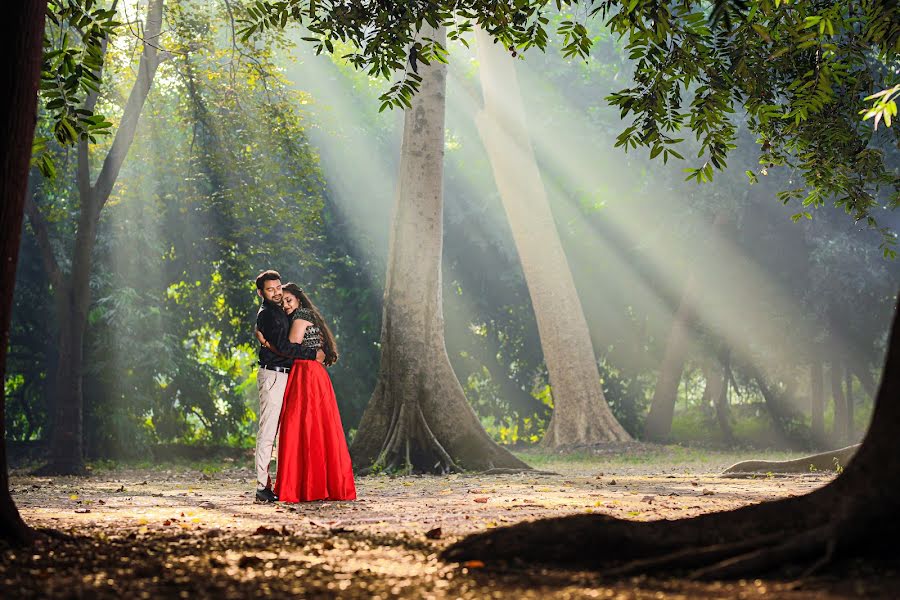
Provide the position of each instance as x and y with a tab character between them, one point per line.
295	394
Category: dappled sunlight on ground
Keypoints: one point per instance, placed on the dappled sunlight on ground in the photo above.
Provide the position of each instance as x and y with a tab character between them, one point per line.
164	532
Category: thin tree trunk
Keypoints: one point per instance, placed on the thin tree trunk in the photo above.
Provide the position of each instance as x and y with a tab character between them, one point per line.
717	392
580	412
779	410
848	397
817	401
21	51
864	376
840	404
658	424
418	418
73	293
662	408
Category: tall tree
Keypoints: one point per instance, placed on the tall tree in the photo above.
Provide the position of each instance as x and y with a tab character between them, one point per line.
580	412
72	290
19	77
418	417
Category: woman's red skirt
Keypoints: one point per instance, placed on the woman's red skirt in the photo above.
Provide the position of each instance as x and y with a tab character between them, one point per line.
313	461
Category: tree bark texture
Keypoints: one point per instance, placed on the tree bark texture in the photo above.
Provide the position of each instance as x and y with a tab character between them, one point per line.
418	418
854	515
21	49
73	292
581	414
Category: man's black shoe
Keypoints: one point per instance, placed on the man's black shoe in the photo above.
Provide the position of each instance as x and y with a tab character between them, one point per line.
266	495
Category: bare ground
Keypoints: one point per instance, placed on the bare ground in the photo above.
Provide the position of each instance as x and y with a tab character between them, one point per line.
181	532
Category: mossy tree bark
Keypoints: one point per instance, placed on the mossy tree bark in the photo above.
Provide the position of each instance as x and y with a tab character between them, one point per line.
853	515
21	49
418	418
581	414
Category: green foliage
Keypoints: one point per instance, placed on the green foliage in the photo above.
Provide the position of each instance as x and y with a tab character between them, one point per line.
884	106
800	69
75	39
384	35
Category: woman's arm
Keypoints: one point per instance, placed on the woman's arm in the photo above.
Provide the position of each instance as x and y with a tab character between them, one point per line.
261	338
298	330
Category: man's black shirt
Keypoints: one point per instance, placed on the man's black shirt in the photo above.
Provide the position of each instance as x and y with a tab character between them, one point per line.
275	327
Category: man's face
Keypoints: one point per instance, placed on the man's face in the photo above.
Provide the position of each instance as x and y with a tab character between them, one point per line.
271	290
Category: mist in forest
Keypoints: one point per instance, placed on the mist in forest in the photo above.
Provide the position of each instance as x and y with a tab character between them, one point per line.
774	317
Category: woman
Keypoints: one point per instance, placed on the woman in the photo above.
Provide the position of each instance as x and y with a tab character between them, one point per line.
313	461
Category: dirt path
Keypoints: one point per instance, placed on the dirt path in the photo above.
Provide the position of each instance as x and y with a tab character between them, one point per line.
169	532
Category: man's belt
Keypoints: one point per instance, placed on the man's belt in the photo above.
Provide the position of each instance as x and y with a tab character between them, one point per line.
275	368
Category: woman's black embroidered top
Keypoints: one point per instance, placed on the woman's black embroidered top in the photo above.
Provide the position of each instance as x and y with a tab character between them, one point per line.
312	339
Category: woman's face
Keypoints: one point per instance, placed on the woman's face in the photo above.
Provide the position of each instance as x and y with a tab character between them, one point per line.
289	302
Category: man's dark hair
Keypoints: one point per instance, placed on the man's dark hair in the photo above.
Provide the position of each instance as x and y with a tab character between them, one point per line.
265	276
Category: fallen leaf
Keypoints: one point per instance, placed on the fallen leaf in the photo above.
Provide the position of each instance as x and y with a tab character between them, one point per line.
707	492
647	499
482	500
167	522
263	530
473	564
434	534
73	497
612	482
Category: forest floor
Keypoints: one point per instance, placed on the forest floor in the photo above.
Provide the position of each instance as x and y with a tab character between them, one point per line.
193	531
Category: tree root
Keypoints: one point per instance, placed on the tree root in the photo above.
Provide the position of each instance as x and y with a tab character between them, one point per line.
691	557
833	460
505	471
799	547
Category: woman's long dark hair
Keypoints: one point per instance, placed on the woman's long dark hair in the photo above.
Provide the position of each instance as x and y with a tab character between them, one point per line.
329	346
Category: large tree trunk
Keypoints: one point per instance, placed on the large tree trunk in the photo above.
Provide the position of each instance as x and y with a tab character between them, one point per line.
580	412
853	515
21	51
73	292
418	418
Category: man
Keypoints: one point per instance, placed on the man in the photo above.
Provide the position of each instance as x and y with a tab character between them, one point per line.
275	360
